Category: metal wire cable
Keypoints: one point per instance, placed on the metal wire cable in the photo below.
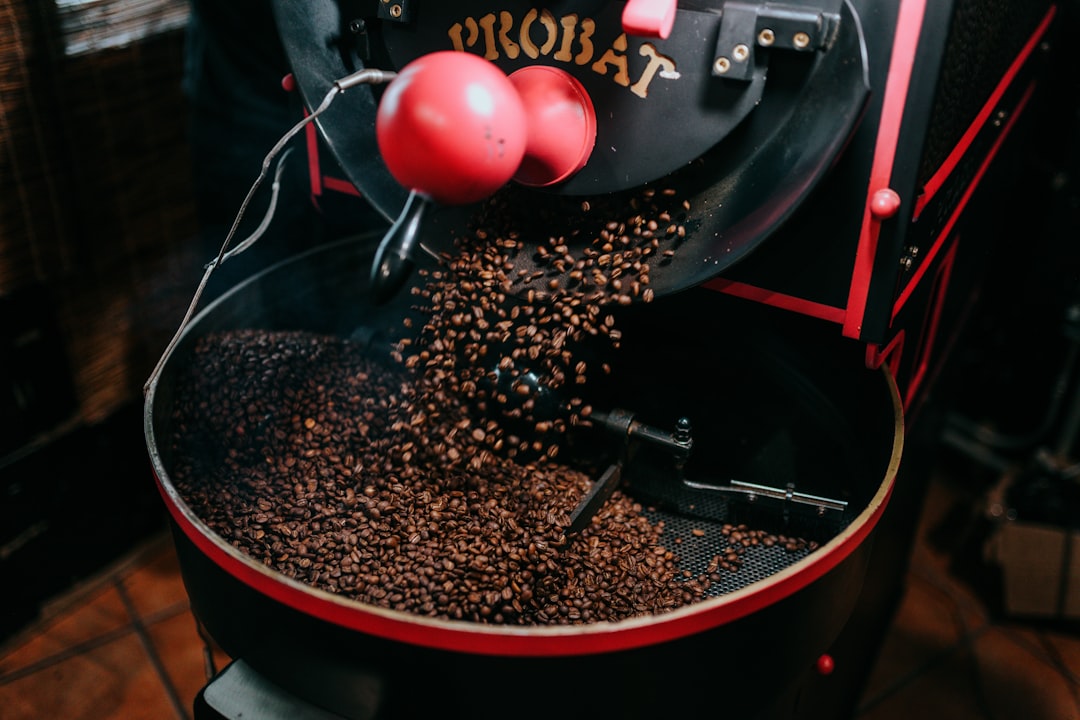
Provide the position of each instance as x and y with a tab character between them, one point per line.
365	76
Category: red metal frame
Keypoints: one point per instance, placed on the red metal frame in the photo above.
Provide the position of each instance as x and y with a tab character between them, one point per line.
944	235
905	47
928	340
776	299
319	181
850	317
901	64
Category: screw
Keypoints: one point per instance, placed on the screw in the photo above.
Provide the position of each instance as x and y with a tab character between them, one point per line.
682	430
766	37
801	40
740	53
721	66
395	11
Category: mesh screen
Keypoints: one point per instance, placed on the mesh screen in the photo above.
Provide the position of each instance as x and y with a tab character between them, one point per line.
706	528
984	38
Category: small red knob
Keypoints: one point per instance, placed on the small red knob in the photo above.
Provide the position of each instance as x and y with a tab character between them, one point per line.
884	203
649	18
825	664
452	127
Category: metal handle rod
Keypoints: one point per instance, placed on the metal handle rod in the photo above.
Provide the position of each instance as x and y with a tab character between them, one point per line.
788	494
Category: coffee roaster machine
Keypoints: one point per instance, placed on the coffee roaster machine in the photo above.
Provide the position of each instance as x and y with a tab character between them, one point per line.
841	162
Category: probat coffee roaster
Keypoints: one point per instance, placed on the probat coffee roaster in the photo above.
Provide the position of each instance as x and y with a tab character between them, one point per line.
766	199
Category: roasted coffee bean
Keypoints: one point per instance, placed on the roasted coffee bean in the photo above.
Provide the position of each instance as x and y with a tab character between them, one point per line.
425	535
399	484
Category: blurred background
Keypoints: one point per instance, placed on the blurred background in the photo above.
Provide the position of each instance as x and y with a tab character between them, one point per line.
130	134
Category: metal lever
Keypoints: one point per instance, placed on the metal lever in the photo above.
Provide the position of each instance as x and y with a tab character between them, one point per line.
622	423
396	256
601	490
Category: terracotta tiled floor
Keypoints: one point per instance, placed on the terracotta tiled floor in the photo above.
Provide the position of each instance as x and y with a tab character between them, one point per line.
123	646
126	646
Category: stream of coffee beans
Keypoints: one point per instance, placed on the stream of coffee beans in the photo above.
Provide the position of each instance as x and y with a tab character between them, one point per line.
427	478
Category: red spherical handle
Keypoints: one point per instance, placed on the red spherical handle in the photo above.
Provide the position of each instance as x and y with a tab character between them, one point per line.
561	125
454	128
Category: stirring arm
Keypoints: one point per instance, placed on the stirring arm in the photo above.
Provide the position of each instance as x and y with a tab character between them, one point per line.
632	432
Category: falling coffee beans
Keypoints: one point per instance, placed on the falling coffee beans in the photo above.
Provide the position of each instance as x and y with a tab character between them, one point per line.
430	481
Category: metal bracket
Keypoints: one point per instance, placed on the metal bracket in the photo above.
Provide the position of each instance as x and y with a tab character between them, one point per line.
631	433
744	27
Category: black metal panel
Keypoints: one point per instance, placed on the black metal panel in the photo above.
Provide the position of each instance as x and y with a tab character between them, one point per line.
745	156
964	56
984	37
811	256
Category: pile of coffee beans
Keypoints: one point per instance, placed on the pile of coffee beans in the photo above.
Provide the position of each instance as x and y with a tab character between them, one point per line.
302	452
427	479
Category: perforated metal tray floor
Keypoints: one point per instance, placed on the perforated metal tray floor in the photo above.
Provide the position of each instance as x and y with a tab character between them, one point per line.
698	527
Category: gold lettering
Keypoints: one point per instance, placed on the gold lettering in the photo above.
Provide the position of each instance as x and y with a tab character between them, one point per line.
656	62
565	53
614	56
588	27
455	34
570	33
527	45
506	24
548	21
487	24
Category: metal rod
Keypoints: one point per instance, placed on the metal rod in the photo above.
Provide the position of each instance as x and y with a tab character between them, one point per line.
788	494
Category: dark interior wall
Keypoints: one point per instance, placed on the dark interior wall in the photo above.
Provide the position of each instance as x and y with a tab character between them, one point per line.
97	267
122	169
96	219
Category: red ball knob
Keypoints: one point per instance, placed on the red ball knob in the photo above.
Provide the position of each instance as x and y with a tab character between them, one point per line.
452	127
825	664
561	125
884	204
